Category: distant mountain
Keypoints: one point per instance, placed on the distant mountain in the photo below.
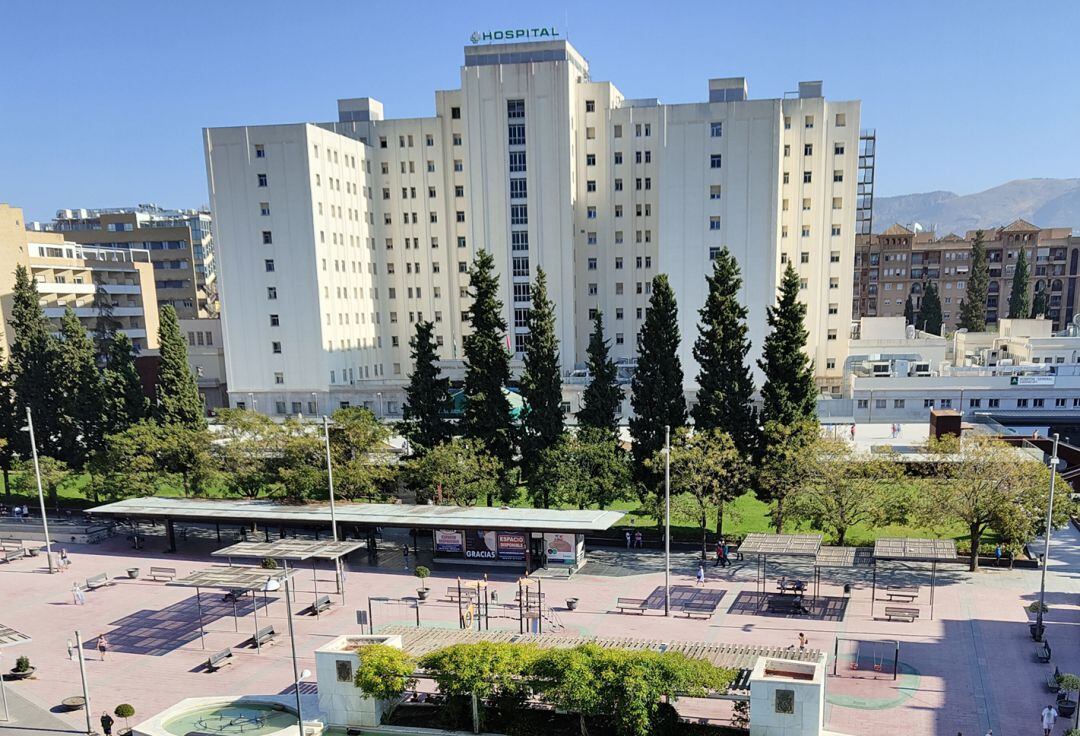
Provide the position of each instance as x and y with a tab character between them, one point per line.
1043	202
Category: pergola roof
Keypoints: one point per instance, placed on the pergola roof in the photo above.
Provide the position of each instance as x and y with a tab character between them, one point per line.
843	557
800	545
412	516
907	549
419	642
10	637
238	577
289	549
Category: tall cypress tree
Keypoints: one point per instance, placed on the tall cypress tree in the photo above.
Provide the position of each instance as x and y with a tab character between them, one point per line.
725	386
602	398
1040	303
929	319
123	397
105	323
79	407
909	311
33	367
788	393
1020	295
487	410
973	308
427	397
176	394
541	381
658	382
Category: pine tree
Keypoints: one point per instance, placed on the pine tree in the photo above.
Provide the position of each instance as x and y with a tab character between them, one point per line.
80	412
602	398
541	381
1040	303
33	367
1020	295
427	397
9	427
973	308
657	386
487	411
788	393
176	393
123	396
909	311
726	388
929	319
105	324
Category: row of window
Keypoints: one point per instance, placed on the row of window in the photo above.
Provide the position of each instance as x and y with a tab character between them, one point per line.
973	403
410	193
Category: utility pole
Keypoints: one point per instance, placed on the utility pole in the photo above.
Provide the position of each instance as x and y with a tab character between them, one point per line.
1046	545
85	687
41	494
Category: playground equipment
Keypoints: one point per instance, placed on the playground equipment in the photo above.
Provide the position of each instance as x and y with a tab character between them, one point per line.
869	658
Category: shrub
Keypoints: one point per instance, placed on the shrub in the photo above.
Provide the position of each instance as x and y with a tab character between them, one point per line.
22	664
384	672
269	563
1068	683
1033	607
421	572
491	670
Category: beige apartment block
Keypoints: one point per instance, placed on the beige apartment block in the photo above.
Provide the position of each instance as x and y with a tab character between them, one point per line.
898	262
69	274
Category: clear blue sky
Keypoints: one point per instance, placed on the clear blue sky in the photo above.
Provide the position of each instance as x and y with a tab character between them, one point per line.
103	102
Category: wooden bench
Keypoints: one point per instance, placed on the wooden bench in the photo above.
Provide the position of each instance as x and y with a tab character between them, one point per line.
894	613
1043	653
704	609
901	593
98	581
1052	681
637	605
264	635
233	595
168	573
13	554
465	594
217	660
322	603
788	604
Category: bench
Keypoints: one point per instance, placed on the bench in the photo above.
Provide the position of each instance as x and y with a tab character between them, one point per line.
788	604
163	572
217	660
630	604
1043	653
465	594
1052	683
263	636
233	595
13	554
98	581
904	614
703	609
322	603
901	593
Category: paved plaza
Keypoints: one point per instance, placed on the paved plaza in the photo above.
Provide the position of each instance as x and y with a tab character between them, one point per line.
969	669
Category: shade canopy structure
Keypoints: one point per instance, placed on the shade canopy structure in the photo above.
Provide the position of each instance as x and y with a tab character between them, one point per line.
9	637
797	545
839	557
913	549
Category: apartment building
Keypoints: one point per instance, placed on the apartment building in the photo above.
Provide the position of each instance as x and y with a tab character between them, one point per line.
342	235
180	244
206	358
70	274
899	261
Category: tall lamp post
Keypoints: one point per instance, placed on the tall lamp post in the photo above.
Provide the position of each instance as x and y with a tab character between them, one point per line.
667	520
1046	546
41	494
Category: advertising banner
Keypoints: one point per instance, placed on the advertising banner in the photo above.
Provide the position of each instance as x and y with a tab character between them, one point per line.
481	545
561	548
511	545
449	540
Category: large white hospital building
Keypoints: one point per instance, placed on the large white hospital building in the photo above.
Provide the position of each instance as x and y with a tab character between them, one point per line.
335	238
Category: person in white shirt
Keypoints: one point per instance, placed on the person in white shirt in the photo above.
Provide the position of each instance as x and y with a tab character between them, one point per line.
1049	716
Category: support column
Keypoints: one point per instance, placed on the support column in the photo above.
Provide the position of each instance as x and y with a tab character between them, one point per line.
170	534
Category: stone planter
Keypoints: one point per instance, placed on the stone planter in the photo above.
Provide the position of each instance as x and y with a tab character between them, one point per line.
15	675
1037	631
133	572
1066	708
571	604
421	593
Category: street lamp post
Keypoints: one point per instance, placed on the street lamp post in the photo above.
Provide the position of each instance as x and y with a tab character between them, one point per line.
41	494
3	695
295	668
667	520
1046	546
85	686
330	475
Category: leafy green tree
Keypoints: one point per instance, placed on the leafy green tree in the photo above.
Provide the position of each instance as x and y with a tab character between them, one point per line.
491	671
185	453
602	398
131	463
460	472
541	381
909	311
788	466
248	452
124	401
788	393
32	364
1040	303
1020	295
487	411
80	406
176	393
707	472
585	468
384	672
427	397
362	467
55	474
657	385
930	318
301	464
973	308
725	387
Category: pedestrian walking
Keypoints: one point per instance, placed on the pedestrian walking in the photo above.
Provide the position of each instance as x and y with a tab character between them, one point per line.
106	723
25	512
997	554
65	561
701	574
18	512
803	641
628	539
725	560
80	597
405	554
103	646
852	432
1049	717
71	651
638	540
719	554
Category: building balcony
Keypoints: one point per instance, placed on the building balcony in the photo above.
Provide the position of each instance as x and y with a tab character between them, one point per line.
89	312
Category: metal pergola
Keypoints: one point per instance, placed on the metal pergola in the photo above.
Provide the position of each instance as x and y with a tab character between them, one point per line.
228	578
297	550
909	549
9	637
839	557
762	546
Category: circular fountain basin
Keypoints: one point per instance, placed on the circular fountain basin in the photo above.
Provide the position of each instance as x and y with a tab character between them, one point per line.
235	718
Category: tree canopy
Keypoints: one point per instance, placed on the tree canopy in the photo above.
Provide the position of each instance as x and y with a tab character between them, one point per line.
176	394
541	381
460	472
427	397
788	393
1020	293
973	308
602	399
930	318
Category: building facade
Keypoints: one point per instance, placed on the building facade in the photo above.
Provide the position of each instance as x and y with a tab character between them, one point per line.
180	244
899	261
342	235
206	358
